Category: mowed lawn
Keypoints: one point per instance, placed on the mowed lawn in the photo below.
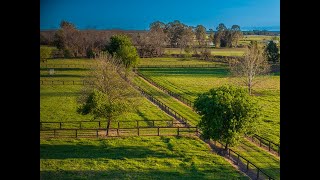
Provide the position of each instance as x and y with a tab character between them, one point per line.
189	82
132	158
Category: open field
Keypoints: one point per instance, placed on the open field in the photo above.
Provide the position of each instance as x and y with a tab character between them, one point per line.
174	61
189	82
59	102
214	51
132	158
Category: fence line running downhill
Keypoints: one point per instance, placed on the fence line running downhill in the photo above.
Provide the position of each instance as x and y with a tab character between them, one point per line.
228	149
269	145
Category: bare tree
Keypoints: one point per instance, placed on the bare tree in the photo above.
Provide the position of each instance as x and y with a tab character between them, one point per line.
158	37
107	93
186	38
252	64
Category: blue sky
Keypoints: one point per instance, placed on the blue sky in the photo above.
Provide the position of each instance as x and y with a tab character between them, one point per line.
138	14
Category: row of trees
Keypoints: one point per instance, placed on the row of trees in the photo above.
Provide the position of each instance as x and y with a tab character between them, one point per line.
74	43
179	35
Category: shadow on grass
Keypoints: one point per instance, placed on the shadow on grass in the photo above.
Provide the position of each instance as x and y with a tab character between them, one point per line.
90	151
138	174
59	94
216	72
65	69
61	75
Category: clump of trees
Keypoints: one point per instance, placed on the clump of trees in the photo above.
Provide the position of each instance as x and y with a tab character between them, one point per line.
121	47
225	37
228	113
272	52
252	64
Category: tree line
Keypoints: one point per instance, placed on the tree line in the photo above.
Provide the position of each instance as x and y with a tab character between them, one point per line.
72	42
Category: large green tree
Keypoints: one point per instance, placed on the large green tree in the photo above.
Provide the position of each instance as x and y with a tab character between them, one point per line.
120	46
228	113
272	52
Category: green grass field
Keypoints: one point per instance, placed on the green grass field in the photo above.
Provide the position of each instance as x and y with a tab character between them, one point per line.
132	158
214	51
189	82
255	153
59	102
74	159
174	61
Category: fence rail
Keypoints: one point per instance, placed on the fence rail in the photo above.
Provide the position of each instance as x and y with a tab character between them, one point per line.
237	158
139	66
99	124
175	95
63	82
100	132
267	143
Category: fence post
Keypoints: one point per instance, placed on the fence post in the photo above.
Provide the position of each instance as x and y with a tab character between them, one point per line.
238	159
138	131
118	124
117	131
247	165
60	125
197	131
99	125
158	132
137	124
178	132
54	133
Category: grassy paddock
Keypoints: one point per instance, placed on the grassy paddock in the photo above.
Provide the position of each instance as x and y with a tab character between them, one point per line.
132	158
189	82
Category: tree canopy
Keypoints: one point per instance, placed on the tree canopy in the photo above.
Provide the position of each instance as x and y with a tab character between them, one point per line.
121	47
228	112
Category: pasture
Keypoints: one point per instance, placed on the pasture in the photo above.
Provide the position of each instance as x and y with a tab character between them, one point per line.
111	158
132	158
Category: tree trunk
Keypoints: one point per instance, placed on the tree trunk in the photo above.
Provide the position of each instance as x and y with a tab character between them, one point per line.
108	125
226	147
